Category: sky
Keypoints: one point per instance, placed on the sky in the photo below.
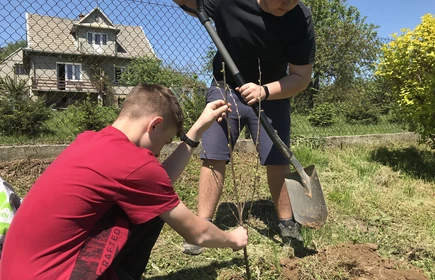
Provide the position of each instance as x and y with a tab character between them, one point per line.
393	15
177	38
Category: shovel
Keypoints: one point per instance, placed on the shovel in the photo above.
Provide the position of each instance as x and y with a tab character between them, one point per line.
303	186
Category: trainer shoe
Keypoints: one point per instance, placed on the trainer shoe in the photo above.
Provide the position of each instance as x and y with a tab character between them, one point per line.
290	230
191	249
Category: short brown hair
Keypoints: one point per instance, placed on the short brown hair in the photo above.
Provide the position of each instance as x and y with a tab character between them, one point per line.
146	99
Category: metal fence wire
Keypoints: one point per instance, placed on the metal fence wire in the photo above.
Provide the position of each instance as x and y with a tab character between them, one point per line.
65	66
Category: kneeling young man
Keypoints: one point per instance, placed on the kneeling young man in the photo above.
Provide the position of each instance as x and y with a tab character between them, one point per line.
98	209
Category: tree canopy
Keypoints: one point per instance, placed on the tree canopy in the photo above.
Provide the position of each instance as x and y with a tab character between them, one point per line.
152	71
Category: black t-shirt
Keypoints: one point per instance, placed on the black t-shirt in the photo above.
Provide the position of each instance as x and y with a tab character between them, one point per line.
250	34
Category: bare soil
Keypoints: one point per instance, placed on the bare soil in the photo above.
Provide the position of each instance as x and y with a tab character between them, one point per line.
350	261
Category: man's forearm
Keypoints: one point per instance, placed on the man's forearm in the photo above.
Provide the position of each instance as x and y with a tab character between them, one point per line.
287	87
177	161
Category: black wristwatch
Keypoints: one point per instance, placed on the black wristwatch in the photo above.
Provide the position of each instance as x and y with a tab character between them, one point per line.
188	141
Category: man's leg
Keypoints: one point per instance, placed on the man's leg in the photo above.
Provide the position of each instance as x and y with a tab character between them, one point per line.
131	262
278	190
278	113
215	155
290	230
211	179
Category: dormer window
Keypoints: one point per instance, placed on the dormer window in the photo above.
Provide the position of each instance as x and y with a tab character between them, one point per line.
97	39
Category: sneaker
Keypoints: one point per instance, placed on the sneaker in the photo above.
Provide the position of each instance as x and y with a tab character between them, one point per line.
191	249
290	230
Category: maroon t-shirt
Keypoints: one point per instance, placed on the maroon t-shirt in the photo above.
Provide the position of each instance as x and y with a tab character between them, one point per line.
77	215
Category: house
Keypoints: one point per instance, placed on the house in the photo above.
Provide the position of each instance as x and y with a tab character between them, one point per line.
66	59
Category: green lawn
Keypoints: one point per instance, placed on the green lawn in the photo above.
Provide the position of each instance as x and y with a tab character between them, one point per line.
62	131
375	194
302	128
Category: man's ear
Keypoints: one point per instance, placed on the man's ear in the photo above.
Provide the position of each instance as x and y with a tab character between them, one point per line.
156	121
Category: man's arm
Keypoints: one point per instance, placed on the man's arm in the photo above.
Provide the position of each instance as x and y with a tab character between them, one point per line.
177	161
297	80
201	232
189	3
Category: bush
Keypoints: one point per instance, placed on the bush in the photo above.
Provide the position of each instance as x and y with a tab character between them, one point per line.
23	117
363	113
408	65
19	114
322	115
88	115
192	104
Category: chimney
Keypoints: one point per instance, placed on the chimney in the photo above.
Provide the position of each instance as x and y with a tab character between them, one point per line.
81	16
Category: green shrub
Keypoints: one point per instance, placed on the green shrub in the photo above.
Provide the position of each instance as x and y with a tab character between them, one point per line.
363	113
322	115
23	117
192	104
19	114
408	64
88	115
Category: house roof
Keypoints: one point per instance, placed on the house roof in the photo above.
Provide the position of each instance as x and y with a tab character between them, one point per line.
55	35
99	12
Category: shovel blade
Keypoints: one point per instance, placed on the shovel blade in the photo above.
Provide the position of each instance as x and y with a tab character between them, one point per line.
308	211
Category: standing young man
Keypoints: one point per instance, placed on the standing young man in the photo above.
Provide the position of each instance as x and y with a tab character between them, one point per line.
98	209
280	35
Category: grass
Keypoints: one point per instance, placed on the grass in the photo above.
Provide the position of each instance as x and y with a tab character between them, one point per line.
63	132
302	127
383	195
375	194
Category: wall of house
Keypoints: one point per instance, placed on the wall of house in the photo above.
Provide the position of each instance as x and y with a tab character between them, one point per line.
8	65
92	18
45	74
109	66
121	91
45	66
86	48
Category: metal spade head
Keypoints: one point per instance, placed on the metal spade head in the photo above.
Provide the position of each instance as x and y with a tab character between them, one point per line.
308	203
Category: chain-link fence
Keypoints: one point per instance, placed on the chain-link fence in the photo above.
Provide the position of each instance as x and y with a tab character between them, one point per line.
65	66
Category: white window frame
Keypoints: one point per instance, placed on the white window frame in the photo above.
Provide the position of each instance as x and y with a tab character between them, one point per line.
93	40
74	71
115	80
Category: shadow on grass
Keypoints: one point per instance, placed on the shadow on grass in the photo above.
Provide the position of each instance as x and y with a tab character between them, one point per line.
264	211
414	162
203	272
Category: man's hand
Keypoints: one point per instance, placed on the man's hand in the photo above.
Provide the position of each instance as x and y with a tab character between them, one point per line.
251	93
215	110
240	236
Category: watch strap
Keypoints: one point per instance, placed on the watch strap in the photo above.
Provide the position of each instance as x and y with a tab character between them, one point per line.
188	141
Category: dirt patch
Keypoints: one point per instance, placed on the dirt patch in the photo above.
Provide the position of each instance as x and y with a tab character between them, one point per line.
22	174
349	261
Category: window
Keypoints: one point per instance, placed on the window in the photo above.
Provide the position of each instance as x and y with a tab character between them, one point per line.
20	70
118	72
69	71
98	39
